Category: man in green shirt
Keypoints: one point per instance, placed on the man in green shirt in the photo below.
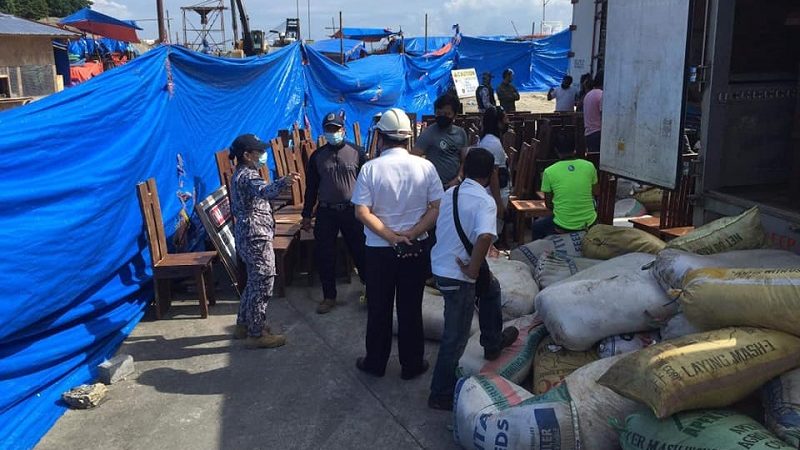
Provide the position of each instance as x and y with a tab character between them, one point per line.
569	187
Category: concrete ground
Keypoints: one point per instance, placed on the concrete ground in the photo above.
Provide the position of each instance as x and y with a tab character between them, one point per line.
535	102
194	387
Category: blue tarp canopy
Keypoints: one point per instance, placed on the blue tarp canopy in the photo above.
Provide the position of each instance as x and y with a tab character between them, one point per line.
353	49
537	65
416	45
94	22
76	269
364	34
87	47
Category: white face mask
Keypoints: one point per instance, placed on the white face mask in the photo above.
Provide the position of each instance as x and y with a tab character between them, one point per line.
335	138
262	161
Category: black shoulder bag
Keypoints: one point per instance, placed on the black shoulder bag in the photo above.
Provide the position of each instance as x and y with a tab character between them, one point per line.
485	276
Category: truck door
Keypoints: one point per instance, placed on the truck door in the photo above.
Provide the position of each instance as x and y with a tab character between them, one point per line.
644	89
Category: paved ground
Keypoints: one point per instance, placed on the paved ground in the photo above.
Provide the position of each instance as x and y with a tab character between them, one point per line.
196	388
529	101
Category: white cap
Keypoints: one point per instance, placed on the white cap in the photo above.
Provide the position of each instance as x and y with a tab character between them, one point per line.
395	124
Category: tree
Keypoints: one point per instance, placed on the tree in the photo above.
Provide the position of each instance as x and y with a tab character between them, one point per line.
31	9
63	8
37	9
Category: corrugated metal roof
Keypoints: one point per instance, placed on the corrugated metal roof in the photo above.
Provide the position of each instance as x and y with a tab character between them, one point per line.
12	25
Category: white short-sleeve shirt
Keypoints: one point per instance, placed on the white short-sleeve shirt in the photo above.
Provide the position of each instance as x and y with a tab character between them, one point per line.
477	212
397	187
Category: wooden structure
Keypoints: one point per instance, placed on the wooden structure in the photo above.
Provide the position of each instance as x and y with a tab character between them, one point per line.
676	208
168	266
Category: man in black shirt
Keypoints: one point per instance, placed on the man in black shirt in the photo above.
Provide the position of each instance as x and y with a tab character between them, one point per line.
330	178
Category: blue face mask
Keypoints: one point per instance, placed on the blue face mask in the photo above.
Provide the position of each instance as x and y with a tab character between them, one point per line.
335	138
262	161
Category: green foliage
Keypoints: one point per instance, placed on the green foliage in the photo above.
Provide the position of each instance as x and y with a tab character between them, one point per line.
37	9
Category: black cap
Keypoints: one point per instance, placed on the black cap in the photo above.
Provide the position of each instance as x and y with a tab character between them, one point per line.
333	119
248	142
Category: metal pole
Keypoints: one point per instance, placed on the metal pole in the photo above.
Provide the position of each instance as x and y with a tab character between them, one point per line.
235	25
341	38
544	7
426	33
162	31
309	20
169	26
297	5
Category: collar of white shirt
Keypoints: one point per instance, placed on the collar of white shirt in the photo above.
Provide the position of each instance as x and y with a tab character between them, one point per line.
393	150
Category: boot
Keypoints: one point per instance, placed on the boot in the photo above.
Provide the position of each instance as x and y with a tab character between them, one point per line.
509	337
241	331
326	306
266	340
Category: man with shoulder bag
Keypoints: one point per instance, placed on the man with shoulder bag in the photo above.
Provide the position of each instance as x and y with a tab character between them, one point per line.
467	222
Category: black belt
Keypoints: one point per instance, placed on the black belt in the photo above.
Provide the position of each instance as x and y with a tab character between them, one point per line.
336	206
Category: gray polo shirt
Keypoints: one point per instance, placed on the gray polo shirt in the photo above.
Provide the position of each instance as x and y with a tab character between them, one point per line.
443	149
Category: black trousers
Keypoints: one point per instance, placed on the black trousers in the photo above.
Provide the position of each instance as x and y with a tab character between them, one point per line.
593	142
388	278
326	229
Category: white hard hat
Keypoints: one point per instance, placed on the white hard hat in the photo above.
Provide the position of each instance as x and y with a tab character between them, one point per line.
395	124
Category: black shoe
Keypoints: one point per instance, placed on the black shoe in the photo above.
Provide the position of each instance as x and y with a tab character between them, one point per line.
363	367
410	375
441	402
510	335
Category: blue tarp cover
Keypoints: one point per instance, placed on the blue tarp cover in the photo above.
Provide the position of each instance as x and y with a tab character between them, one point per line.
87	14
353	49
416	45
87	47
365	34
75	267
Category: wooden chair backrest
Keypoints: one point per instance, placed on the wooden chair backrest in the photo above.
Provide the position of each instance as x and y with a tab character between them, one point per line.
151	212
279	157
224	168
292	162
607	197
295	134
357	134
285	137
676	207
526	168
373	145
308	149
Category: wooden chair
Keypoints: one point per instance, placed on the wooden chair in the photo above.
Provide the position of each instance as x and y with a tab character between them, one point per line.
357	134
168	266
522	204
676	208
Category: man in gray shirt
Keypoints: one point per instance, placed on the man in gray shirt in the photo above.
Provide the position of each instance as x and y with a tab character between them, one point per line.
444	144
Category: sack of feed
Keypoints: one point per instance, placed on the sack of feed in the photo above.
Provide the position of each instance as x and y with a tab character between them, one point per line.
672	265
606	242
742	232
492	412
626	343
514	362
597	405
678	326
781	400
702	429
629	207
433	316
704	370
554	267
611	298
650	198
552	363
769	298
564	244
517	287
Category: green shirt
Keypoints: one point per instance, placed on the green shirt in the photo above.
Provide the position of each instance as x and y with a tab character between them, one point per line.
571	183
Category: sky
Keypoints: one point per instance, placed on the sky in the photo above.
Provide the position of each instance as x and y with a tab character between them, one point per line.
475	17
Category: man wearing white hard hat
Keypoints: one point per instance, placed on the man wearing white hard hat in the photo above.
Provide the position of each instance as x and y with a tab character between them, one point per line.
397	198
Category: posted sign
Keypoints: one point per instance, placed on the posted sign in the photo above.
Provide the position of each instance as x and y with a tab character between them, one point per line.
466	82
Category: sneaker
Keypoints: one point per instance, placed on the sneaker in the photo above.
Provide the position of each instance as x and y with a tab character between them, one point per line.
326	306
266	340
510	335
411	374
441	402
363	367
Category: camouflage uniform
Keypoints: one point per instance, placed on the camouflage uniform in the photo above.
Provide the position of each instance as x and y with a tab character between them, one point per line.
253	231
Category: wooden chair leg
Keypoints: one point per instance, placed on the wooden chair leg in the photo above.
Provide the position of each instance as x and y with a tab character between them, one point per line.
163	298
280	277
519	227
201	293
209	278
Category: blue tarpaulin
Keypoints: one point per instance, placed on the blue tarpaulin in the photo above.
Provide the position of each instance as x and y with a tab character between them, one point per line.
353	49
364	34
416	45
84	46
76	269
537	65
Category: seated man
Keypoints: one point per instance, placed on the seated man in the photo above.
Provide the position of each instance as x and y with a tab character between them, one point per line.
569	187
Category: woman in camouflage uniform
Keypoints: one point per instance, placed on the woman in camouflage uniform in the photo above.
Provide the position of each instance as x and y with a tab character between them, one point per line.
253	231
